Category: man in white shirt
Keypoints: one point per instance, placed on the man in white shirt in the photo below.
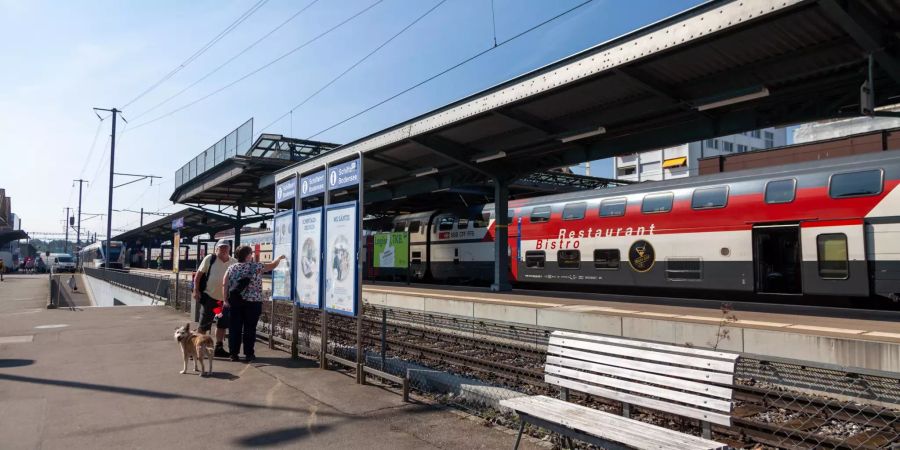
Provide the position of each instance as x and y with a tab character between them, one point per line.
209	294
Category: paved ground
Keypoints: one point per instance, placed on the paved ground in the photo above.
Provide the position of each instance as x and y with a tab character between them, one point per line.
108	378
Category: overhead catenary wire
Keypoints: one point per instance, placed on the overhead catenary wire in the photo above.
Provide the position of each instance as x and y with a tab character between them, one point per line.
449	69
353	66
199	52
228	61
258	69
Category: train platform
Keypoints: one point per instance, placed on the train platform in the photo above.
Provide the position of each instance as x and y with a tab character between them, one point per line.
839	336
108	377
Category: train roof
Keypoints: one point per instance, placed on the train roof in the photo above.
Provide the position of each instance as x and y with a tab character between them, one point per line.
869	160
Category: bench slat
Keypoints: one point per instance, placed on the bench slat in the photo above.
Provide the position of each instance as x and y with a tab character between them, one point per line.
681	372
713	417
649	345
663	380
682	360
607	426
642	389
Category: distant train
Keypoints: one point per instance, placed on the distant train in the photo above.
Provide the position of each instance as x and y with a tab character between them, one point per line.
93	255
830	227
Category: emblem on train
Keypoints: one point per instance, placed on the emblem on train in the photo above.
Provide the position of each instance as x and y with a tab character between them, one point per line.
641	256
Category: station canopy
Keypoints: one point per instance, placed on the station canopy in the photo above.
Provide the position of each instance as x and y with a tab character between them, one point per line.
7	236
720	68
196	222
228	174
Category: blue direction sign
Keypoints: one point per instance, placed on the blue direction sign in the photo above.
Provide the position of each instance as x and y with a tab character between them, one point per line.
312	184
343	175
178	223
285	190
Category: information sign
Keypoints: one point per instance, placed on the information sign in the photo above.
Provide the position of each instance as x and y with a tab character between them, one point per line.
341	258
343	175
178	223
392	250
282	244
309	253
312	184
285	190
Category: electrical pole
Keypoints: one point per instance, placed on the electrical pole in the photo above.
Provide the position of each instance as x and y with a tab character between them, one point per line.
66	224
112	165
78	230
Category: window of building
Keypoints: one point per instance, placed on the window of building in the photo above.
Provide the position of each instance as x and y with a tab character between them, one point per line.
540	214
855	184
756	134
606	259
613	207
657	203
625	171
716	197
684	269
650	168
446	223
568	259
770	139
535	259
574	211
728	146
414	226
741	148
834	263
462	223
712	143
781	191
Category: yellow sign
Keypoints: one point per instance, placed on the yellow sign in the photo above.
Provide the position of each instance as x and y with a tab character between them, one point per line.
176	251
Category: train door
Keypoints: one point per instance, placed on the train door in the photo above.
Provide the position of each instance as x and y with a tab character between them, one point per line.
777	259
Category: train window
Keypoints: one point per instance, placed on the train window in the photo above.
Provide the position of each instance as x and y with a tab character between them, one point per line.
833	261
613	207
684	269
606	259
462	223
540	214
657	203
400	226
510	215
535	259
446	223
781	191
574	211
568	259
710	198
480	220
414	226
855	184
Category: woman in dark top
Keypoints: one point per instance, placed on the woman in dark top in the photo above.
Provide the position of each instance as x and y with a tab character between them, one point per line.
245	278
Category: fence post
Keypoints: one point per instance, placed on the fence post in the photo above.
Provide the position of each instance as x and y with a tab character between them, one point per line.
272	326
383	337
295	332
323	338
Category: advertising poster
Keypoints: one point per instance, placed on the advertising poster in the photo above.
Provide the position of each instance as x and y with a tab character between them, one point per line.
309	252
282	244
176	250
340	258
392	250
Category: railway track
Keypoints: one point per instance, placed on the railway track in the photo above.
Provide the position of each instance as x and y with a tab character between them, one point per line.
512	356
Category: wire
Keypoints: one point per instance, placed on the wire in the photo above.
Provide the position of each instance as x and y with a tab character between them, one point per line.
237	55
451	68
353	66
257	70
202	50
93	145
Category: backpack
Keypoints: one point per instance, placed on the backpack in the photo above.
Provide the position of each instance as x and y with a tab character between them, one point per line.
205	278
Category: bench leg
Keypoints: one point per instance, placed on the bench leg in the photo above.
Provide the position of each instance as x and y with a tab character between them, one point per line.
519	436
707	430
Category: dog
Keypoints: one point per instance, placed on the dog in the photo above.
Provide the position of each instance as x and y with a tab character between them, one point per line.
197	346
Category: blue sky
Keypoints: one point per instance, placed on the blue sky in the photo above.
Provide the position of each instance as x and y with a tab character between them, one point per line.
63	58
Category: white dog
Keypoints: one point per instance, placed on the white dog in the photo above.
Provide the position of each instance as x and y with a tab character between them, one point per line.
197	346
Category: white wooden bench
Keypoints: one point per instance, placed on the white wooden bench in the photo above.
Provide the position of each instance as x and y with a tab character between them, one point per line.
682	381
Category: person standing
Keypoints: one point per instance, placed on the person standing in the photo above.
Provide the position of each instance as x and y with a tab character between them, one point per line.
159	261
2	268
209	294
243	288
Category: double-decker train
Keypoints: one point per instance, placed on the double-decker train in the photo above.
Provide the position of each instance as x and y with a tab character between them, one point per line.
93	255
830	227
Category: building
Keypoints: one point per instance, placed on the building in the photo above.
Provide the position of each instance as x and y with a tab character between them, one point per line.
682	160
831	129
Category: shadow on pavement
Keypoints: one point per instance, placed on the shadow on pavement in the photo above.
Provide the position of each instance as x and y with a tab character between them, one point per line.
151	393
279	437
4	363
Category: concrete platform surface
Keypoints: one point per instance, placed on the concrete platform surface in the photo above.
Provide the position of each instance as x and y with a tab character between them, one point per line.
108	378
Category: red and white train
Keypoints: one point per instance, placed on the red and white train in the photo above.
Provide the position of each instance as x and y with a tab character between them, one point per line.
831	227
